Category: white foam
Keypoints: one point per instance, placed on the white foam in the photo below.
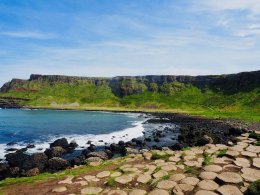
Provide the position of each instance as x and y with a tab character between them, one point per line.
113	137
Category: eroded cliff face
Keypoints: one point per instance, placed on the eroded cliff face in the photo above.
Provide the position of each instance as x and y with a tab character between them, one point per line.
127	85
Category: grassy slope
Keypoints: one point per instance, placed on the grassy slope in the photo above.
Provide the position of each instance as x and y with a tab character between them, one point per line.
187	98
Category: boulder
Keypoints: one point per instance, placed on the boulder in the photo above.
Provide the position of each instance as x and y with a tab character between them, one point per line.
32	172
39	160
204	140
79	160
63	142
235	131
4	170
101	154
56	151
17	159
56	164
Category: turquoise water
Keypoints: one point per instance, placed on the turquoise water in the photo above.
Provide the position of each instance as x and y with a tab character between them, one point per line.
43	126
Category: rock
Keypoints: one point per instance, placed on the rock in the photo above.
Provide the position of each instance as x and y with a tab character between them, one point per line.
103	174
32	172
116	174
232	153
59	189
147	155
56	151
137	192
177	177
229	177
92	148
18	159
93	159
205	192
174	159
11	143
79	160
250	174
242	162
177	190
123	179
231	168
131	151
229	190
254	149
166	184
169	167
30	146
145	178
204	140
94	164
235	131
14	171
160	174
63	142
4	170
56	164
91	190
208	175
116	192
177	146
68	180
256	162
39	160
212	168
208	185
249	154
190	180
158	192
186	187
101	154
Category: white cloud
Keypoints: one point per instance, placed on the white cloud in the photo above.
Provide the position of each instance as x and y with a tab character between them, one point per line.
29	35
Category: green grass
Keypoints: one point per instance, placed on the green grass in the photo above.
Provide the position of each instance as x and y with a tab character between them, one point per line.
156	156
254	188
222	153
170	97
207	158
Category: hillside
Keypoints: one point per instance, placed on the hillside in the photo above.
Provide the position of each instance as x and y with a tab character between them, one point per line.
233	95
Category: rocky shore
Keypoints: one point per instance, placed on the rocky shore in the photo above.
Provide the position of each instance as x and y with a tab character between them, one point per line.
191	131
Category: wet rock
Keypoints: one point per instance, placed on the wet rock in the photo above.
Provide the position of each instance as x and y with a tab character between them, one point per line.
56	151
92	147
11	143
101	154
18	159
30	146
79	160
63	142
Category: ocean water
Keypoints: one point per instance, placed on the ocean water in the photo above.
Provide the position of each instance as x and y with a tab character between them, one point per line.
40	127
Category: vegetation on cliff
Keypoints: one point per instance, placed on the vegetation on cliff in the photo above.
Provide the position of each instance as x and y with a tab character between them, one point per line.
236	95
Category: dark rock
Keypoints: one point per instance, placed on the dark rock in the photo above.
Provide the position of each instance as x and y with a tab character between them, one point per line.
156	139
79	160
32	172
11	143
39	160
235	131
204	140
30	146
56	164
11	149
63	142
14	171
85	152
177	146
17	159
56	151
114	147
92	147
4	170
121	143
148	139
89	142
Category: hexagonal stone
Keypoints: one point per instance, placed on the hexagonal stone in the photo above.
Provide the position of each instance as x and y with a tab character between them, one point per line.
177	190
249	154
237	148
232	153
91	190
212	168
103	174
231	168
242	162
230	177
160	174
116	192
190	180
158	192
256	162
208	185
208	175
59	189
169	168
250	174
116	174
166	184
177	177
186	187
145	178
137	192
229	190
205	192
174	159
68	180
255	149
124	179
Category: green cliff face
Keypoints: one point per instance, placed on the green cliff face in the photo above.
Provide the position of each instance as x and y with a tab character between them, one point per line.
210	95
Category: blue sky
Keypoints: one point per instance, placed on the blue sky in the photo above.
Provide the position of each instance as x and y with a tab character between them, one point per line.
128	37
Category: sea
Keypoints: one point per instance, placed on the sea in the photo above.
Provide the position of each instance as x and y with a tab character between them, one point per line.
41	127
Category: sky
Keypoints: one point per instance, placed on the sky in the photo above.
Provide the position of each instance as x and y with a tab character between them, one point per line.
128	37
